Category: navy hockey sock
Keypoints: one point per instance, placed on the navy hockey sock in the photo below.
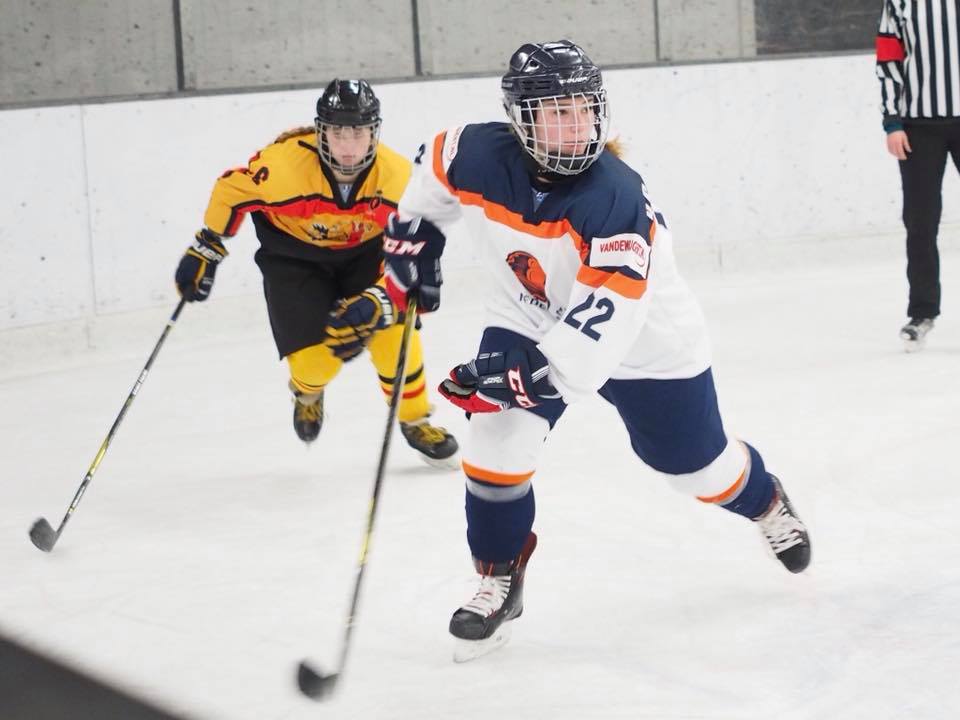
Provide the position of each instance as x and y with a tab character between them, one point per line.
496	531
757	492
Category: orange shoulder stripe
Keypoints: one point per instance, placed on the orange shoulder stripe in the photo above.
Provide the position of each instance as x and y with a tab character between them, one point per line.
497	212
621	284
438	161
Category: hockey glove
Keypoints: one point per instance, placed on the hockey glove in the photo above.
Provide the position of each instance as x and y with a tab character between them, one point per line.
198	266
412	252
498	381
351	325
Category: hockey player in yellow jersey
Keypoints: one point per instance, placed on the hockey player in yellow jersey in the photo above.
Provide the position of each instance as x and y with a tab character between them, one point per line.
319	198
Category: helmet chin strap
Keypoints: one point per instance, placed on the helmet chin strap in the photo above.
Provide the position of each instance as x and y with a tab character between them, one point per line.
348	172
538	173
543	179
345	176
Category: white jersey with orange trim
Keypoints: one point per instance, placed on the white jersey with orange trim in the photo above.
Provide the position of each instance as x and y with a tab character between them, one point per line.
585	267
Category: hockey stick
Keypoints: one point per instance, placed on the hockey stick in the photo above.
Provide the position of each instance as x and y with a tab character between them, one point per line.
314	684
41	532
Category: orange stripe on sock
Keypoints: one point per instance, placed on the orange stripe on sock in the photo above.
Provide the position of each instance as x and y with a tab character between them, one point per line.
728	493
407	394
497	478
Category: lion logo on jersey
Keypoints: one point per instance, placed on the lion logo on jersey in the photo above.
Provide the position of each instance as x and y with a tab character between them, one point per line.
528	271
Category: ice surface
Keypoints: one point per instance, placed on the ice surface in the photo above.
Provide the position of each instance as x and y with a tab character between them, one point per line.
213	551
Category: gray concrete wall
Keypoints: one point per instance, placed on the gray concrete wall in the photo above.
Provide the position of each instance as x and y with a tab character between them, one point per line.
706	29
478	37
805	173
784	26
52	50
235	43
57	50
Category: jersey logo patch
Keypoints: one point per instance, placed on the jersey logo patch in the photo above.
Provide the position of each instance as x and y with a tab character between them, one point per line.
453	144
530	274
625	250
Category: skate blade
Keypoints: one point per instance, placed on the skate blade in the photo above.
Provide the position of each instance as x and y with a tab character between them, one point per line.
467	650
450	463
912	346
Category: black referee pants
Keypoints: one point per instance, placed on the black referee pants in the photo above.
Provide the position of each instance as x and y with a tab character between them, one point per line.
922	178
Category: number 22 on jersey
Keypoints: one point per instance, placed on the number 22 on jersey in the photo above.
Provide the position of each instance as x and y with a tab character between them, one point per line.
582	319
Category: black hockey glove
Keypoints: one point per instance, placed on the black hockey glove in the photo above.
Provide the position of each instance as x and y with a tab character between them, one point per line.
198	266
412	252
351	325
498	381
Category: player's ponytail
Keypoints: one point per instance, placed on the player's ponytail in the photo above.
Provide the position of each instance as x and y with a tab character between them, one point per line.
295	132
615	147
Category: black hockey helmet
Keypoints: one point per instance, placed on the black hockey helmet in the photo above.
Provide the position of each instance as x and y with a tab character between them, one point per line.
549	69
541	74
348	103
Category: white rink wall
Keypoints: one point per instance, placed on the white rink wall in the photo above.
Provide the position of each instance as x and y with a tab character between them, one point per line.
752	162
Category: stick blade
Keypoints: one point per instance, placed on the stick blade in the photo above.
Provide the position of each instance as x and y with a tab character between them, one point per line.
314	685
42	535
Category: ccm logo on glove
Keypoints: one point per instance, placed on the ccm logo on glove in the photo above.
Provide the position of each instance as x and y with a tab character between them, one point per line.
412	251
402	247
515	382
498	381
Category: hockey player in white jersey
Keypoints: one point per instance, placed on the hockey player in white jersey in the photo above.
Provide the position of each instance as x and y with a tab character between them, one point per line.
586	299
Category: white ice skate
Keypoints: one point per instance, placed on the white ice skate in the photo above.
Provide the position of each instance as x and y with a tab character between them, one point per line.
914	333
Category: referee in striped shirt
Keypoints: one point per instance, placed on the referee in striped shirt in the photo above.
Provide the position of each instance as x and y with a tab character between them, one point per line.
918	63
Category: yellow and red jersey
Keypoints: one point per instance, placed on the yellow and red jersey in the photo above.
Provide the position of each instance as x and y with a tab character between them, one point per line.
288	186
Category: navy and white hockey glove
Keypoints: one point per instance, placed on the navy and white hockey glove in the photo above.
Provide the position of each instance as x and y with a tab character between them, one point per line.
498	381
354	321
198	266
412	253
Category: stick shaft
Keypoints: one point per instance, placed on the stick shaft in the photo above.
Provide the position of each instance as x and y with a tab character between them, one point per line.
397	392
116	423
